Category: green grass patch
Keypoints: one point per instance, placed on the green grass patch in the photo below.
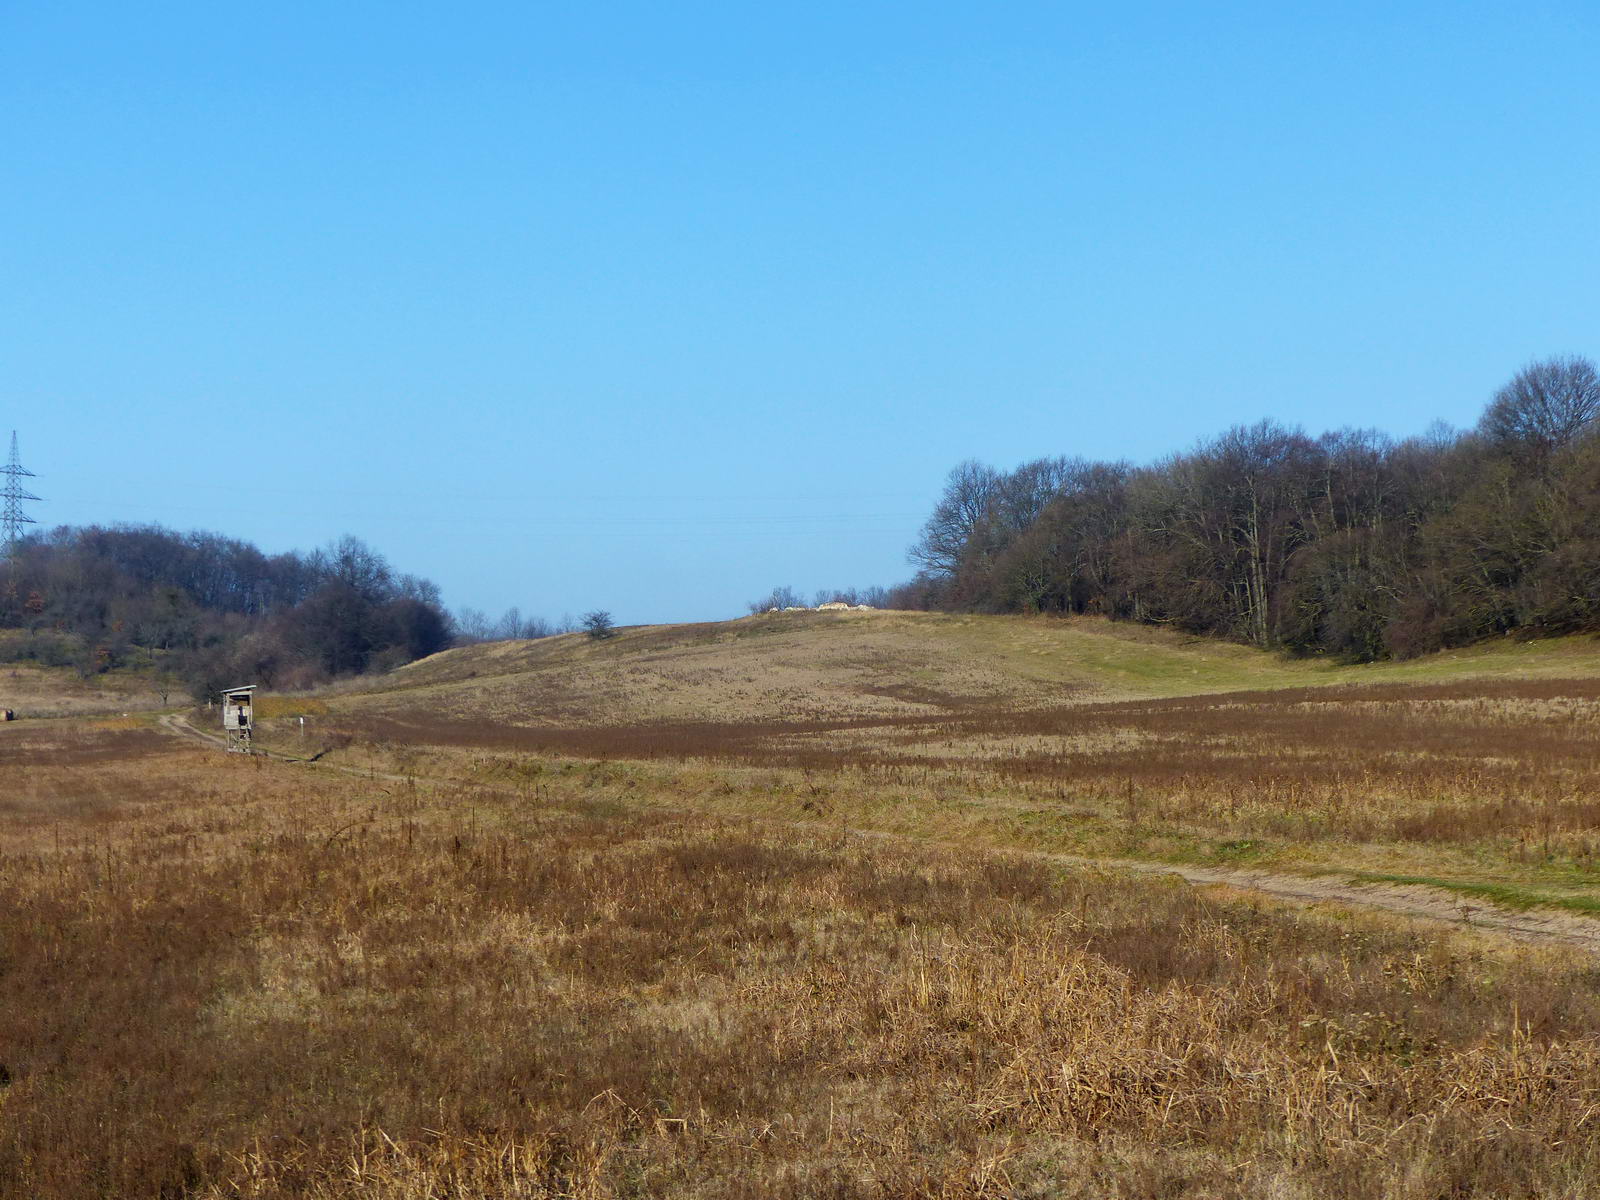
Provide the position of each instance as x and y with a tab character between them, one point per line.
1505	895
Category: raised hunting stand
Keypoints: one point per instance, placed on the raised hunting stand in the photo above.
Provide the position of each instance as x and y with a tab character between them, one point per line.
238	718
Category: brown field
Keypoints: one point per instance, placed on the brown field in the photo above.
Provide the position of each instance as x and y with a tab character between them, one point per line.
583	953
1476	771
840	666
34	692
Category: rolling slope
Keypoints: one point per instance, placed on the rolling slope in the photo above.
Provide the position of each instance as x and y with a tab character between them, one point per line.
810	666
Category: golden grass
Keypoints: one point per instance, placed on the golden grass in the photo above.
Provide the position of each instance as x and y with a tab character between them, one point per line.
270	705
35	692
866	665
595	925
228	977
1473	783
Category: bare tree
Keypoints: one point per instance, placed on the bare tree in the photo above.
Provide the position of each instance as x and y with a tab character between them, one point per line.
779	598
472	625
353	563
1020	497
969	491
1548	406
509	627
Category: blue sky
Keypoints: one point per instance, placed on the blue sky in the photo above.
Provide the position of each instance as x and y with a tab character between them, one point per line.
651	307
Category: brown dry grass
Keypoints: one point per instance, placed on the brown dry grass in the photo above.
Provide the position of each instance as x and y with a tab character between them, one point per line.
865	665
35	692
1479	782
1477	767
229	977
560	960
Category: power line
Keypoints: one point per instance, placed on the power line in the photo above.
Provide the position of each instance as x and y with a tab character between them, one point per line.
14	494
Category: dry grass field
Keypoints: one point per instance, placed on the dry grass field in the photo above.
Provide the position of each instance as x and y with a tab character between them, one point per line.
621	946
226	977
834	666
34	691
1478	770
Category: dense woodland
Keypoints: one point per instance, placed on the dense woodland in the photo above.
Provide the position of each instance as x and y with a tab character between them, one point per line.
1352	543
204	611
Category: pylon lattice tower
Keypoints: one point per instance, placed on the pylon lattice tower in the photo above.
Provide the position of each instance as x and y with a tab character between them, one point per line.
13	493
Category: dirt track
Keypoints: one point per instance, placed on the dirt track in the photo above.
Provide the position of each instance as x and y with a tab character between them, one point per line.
1417	903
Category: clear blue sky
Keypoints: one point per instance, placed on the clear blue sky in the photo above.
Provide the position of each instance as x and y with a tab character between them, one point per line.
650	307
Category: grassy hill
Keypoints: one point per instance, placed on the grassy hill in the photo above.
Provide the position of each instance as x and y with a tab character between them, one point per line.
828	666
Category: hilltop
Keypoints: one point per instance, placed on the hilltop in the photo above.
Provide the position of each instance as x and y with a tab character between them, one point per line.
809	666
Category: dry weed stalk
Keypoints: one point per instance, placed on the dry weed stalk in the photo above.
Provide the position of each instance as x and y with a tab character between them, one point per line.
224	979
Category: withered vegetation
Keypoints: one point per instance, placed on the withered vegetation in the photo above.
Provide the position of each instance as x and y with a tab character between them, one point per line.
1473	781
224	977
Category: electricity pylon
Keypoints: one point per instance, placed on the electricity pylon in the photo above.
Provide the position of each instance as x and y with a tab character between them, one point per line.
13	493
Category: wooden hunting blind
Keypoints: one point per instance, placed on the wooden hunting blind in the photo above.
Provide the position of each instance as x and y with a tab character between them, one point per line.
238	716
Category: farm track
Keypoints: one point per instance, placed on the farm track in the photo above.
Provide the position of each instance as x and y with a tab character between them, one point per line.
1414	902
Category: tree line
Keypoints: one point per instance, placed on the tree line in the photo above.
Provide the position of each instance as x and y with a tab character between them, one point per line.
207	611
1352	543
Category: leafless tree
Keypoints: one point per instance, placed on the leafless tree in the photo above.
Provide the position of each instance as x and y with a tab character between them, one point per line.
472	625
778	597
1548	406
969	491
1021	496
356	565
